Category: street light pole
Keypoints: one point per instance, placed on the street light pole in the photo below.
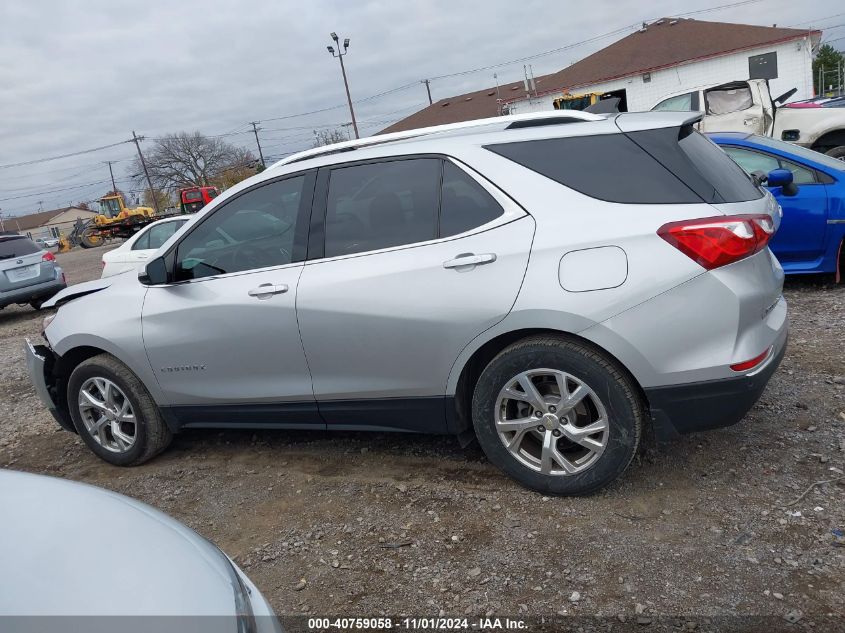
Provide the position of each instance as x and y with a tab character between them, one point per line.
340	54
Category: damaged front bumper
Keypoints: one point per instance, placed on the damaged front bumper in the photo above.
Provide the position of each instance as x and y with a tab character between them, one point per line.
39	360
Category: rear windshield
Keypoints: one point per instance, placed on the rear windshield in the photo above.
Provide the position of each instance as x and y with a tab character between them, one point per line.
16	247
662	166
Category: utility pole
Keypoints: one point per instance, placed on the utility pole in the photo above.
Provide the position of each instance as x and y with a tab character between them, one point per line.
257	142
111	173
340	55
427	83
137	140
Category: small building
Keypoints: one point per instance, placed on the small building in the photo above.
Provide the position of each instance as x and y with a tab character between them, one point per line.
662	58
54	223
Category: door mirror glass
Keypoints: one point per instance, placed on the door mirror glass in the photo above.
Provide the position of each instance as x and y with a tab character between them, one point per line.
154	273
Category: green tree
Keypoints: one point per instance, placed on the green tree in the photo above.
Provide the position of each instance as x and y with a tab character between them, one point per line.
161	197
827	59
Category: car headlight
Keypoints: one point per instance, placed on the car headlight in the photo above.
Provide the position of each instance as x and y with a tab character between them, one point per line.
47	321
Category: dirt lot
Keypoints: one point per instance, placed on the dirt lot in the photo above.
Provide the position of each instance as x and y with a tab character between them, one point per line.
401	524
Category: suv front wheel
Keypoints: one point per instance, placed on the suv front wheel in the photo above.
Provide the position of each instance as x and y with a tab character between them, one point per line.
114	413
557	416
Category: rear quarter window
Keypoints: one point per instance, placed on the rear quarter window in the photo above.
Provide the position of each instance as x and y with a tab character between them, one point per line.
698	162
661	166
608	167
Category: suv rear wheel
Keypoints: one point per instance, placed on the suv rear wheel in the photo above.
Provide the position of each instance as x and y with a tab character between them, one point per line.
557	416
114	413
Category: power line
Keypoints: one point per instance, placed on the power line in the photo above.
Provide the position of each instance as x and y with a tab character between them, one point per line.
49	158
50	191
815	20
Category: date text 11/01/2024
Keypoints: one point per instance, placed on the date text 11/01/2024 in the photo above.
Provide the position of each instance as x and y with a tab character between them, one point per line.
416	624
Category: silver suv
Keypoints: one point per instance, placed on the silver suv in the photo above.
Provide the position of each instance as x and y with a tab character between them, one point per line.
545	283
28	273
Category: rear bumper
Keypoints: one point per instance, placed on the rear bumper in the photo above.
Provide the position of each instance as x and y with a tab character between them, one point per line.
700	406
39	360
43	290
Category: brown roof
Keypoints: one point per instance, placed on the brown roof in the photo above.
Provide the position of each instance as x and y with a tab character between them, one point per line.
472	105
662	44
33	220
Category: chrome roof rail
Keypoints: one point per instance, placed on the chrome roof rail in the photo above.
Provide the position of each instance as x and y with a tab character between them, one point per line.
510	121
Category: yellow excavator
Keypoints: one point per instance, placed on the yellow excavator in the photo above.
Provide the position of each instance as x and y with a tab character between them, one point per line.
576	102
114	220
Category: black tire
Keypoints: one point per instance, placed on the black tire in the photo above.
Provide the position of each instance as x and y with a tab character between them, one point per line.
618	395
837	152
36	304
152	435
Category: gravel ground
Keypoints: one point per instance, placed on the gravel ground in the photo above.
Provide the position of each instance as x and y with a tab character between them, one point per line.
367	524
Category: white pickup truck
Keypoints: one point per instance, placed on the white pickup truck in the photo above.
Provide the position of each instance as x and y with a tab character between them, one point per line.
748	106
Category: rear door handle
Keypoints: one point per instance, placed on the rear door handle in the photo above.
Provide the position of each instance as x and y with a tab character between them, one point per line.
265	291
466	260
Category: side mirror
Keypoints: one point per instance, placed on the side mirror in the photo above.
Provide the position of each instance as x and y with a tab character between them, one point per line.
779	177
155	272
782	178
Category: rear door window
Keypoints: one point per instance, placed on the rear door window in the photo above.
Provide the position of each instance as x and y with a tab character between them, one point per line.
160	233
381	205
464	203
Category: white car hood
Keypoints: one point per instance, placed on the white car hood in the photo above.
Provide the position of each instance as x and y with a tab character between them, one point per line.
73	549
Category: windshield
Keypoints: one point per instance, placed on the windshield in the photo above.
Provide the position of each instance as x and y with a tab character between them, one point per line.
110	207
16	247
574	103
801	152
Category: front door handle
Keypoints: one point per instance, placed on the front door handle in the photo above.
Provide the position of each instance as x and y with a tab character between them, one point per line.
265	291
470	260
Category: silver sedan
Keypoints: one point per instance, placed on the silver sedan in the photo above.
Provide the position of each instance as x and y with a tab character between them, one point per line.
80	552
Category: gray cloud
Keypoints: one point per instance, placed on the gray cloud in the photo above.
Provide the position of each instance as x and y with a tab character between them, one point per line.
80	74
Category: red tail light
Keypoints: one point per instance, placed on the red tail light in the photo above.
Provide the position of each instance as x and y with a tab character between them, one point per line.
48	257
748	364
718	241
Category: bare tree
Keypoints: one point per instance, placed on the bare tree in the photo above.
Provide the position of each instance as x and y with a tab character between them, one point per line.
190	159
329	137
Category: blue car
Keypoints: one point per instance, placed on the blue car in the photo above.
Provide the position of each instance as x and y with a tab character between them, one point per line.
810	188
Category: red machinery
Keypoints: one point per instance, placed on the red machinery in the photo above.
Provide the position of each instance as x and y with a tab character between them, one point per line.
192	199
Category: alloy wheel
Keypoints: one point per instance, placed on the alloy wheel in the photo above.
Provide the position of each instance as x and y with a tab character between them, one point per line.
107	414
551	422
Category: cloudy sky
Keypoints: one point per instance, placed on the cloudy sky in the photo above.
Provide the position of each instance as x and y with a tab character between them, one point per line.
81	74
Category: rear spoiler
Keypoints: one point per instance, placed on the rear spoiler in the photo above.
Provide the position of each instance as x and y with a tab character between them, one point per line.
636	121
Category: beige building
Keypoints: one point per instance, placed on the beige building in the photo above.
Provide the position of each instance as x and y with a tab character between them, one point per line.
47	223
